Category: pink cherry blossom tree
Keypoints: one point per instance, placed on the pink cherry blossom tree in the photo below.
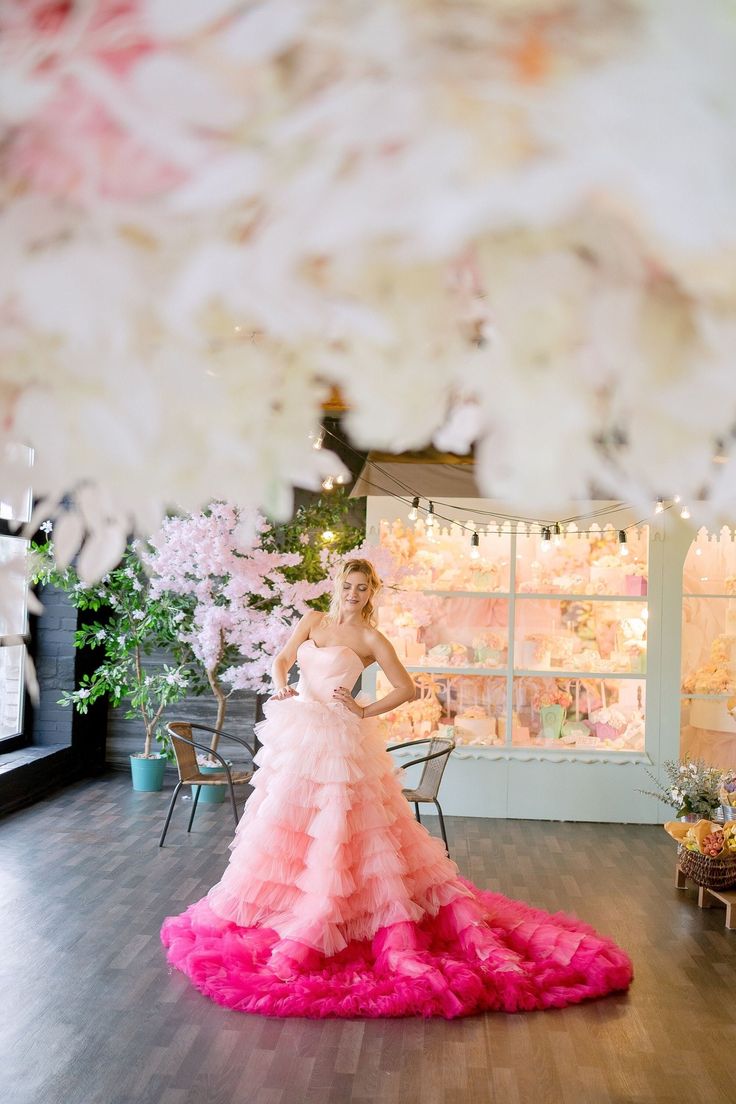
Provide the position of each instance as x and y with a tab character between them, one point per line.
241	605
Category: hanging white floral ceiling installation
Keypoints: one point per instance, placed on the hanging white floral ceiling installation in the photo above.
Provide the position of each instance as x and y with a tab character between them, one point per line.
214	210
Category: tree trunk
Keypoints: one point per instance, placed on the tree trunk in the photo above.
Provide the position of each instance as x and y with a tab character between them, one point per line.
221	699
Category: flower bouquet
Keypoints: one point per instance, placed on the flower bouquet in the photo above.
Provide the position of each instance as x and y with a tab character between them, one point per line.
552	703
489	649
692	788
706	852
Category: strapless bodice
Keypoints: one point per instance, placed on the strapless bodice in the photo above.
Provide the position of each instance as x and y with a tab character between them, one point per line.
322	669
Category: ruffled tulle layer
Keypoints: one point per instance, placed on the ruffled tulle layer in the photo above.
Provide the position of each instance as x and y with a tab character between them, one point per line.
327	852
336	902
482	952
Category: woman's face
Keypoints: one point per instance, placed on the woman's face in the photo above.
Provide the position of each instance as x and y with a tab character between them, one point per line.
356	592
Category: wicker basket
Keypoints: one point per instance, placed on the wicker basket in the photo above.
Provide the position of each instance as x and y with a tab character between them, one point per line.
705	871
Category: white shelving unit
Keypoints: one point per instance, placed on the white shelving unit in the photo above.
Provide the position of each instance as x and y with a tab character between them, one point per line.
542	779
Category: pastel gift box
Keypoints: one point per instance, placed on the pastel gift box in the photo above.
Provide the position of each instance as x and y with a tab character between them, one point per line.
604	731
636	586
414	651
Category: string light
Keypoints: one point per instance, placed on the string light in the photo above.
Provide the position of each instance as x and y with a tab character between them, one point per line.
507	519
328	483
677	499
414	512
430	516
623	546
475	547
698	551
328	536
546	538
318	438
684	513
659	508
557	539
340	479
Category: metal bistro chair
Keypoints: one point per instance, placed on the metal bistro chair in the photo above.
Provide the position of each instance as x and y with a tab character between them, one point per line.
185	750
435	761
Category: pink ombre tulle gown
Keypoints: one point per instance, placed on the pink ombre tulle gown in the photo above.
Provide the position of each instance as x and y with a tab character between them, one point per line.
336	902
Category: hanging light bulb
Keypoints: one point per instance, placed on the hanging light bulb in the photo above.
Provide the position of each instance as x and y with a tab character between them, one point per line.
698	551
623	546
658	509
677	498
430	516
546	542
328	536
557	538
413	513
475	547
340	479
684	513
318	438
328	483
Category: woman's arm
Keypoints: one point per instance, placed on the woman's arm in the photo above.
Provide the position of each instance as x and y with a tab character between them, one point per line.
404	689
286	658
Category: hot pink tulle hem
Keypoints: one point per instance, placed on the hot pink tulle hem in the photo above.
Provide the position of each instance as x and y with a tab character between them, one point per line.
479	953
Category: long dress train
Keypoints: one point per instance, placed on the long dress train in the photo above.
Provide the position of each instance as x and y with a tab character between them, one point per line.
336	902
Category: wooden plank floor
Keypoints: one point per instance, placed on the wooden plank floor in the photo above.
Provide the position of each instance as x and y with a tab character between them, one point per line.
91	1014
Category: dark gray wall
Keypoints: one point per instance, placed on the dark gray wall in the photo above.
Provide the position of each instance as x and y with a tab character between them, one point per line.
125	737
55	663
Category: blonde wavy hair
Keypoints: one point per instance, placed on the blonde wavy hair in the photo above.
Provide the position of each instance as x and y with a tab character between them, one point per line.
365	567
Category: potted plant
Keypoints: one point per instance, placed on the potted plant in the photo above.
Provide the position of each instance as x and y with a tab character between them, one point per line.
133	622
691	788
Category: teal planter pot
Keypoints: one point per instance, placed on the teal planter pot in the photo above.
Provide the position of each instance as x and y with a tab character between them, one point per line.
212	795
148	774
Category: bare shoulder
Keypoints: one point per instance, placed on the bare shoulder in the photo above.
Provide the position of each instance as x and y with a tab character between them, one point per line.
311	618
376	642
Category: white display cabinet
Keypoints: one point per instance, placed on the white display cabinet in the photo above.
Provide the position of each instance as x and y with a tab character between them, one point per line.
537	657
709	649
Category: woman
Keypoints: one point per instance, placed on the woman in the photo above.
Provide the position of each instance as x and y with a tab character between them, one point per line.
336	902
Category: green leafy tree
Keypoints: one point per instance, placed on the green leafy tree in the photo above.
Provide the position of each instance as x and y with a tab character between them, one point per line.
131	626
319	531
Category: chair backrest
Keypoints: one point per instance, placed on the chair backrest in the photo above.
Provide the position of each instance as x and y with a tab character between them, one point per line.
429	783
186	755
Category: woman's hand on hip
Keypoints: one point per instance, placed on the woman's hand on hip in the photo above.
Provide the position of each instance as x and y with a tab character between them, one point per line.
342	695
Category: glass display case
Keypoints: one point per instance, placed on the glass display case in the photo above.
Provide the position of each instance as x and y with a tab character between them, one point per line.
708	726
526	640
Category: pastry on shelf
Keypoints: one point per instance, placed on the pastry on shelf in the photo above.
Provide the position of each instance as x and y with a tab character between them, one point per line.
474	725
489	649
